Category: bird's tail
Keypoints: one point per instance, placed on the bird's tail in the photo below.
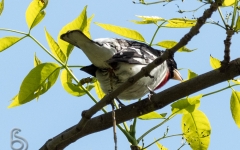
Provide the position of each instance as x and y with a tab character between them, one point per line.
96	52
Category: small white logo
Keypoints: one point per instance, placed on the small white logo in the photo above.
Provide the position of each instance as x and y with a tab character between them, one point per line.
18	139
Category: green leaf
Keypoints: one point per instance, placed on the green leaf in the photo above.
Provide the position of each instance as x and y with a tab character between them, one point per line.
186	105
8	41
36	61
77	24
228	3
87	28
125	32
191	74
235	107
70	87
1	6
98	90
35	13
215	63
237	24
55	47
169	44
152	115
196	129
180	23
38	81
160	146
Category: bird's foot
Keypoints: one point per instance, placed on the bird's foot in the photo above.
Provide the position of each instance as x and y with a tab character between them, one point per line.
120	104
151	93
149	75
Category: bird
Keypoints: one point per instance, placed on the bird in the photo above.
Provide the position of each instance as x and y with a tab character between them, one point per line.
115	60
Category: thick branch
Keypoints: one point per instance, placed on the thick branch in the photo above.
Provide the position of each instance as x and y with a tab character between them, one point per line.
227	43
157	101
145	71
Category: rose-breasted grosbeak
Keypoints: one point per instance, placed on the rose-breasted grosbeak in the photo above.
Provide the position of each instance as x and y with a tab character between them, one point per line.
115	60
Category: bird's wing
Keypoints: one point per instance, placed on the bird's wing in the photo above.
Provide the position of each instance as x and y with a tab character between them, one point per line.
134	52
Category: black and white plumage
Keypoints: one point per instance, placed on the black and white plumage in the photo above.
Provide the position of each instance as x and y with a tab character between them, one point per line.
115	60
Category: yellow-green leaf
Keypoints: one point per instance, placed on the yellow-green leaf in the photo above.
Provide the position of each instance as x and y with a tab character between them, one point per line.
160	146
125	32
143	21
237	24
215	63
98	90
7	42
147	19
39	18
87	28
36	61
180	23
70	87
77	24
235	107
1	6
35	13
186	105
38	81
228	2
169	44
236	81
196	129
150	18
55	47
191	74
152	115
15	102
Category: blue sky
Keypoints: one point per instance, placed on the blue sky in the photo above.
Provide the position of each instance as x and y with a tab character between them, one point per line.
56	110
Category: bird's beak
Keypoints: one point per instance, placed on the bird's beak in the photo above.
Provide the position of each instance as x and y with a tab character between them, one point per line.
177	75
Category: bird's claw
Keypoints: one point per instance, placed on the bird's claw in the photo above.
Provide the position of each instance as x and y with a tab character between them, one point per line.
120	104
151	93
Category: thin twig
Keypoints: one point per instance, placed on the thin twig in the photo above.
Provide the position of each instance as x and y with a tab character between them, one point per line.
114	126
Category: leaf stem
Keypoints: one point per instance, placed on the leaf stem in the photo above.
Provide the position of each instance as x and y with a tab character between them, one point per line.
133	128
234	13
229	86
159	26
160	1
127	134
215	23
153	128
124	123
4	29
164	137
221	15
60	62
75	66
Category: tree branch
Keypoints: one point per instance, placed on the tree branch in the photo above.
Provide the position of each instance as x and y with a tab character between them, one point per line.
227	43
134	110
63	140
